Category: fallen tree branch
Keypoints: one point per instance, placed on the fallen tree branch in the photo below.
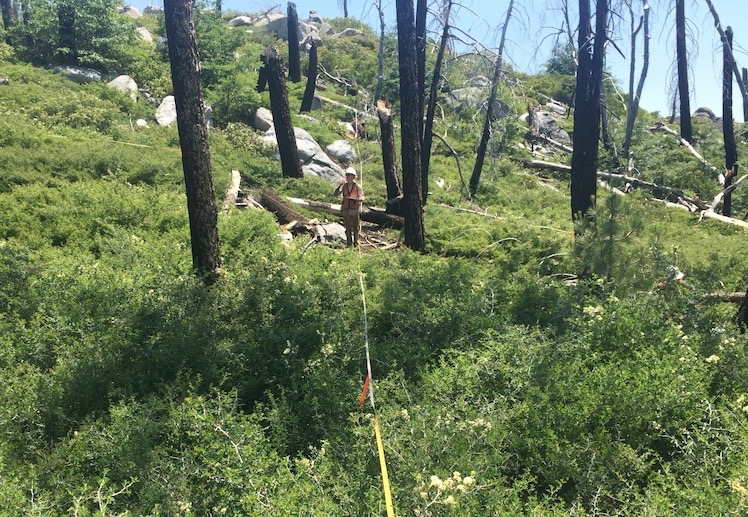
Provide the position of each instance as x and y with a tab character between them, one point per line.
718	198
736	297
659	126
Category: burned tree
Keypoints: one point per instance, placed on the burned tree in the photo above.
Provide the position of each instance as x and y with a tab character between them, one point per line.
415	237
635	97
431	106
728	129
389	159
587	111
486	135
294	56
276	81
7	12
193	138
686	129
66	41
311	79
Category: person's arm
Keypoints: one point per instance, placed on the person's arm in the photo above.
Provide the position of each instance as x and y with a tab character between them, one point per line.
337	189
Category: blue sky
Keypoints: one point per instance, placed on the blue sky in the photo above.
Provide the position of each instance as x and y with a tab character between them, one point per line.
531	35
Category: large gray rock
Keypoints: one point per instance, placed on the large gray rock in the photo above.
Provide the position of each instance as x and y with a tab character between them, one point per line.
548	126
262	120
126	84
499	109
152	9
266	18
79	74
279	27
240	21
166	113
342	152
314	161
705	113
472	97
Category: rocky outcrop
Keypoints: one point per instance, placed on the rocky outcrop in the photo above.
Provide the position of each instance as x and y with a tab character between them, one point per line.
144	34
151	9
166	113
314	161
130	11
342	151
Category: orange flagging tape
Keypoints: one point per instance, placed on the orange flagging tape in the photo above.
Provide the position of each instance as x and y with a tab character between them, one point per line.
364	391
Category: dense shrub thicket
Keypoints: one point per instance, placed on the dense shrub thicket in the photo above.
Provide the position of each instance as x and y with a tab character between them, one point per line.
504	386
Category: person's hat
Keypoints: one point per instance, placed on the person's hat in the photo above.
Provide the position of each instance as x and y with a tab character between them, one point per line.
351	171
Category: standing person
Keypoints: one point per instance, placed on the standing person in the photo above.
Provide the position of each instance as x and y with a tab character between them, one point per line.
353	195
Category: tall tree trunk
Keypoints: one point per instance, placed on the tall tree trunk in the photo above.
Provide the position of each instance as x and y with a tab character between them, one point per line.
415	236
428	127
380	53
686	129
67	46
26	17
7	12
219	8
742	316
294	56
311	79
389	159
289	152
486	135
193	139
345	8
634	98
587	111
728	130
421	12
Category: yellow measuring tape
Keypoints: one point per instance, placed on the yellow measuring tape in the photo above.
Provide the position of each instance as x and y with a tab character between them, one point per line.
383	467
369	386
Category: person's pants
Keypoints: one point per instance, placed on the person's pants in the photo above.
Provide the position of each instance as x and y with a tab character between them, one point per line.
352	222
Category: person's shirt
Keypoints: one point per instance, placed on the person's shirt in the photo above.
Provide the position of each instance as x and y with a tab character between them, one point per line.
353	194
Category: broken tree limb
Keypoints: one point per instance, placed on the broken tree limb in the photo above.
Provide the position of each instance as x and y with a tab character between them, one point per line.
736	297
718	198
372	215
232	193
659	126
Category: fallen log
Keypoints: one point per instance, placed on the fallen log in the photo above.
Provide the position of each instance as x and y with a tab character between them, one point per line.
284	213
373	215
232	193
736	297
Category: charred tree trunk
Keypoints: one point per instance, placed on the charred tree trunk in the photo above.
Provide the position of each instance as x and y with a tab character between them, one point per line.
730	56
415	237
345	8
26	17
193	139
311	79
289	153
219	7
431	107
294	56
389	160
587	111
380	53
634	98
67	47
728	129
421	11
284	213
7	11
486	135
608	142
686	129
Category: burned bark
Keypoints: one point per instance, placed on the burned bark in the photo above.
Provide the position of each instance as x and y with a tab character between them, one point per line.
728	128
686	128
7	12
294	56
587	112
289	153
389	160
415	237
193	139
311	79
